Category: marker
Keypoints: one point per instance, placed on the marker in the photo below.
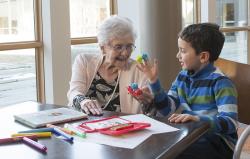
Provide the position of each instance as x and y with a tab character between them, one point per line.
15	139
37	130
60	132
62	129
35	144
38	134
75	130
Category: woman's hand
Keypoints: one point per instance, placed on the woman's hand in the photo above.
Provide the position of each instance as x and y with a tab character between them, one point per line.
150	70
182	118
91	106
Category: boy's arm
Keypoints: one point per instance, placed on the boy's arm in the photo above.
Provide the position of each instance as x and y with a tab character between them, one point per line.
226	101
165	103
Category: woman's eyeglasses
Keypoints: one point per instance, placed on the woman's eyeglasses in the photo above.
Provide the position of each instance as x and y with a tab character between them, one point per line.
121	48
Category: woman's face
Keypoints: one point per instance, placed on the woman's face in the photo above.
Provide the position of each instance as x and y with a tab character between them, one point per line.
118	51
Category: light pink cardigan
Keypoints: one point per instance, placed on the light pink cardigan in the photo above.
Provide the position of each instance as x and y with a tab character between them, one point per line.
86	66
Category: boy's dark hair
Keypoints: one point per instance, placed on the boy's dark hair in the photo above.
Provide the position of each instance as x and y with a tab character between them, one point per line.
204	37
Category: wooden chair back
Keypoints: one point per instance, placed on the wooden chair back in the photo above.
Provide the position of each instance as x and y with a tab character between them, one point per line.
240	74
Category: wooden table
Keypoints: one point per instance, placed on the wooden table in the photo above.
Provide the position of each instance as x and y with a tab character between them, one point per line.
165	145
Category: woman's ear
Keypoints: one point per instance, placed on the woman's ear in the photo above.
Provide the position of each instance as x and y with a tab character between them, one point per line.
204	57
102	49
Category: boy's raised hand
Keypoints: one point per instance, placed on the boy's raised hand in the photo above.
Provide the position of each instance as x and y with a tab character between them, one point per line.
150	70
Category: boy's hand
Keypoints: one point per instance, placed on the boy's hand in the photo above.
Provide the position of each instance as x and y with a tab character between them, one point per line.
182	118
146	97
151	71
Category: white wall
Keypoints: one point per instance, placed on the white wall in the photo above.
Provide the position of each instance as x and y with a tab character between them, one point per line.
158	23
131	9
208	11
57	56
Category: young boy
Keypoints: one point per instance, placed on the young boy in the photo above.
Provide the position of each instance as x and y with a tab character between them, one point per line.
200	92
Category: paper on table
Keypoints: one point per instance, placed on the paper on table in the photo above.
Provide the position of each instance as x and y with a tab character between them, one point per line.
133	139
156	127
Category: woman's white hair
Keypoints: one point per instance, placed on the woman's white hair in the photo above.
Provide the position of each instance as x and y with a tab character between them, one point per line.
115	27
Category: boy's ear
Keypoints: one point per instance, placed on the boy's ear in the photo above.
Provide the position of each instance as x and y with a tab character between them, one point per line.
204	56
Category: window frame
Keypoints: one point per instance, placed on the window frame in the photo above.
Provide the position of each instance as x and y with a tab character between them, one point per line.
227	29
90	40
36	44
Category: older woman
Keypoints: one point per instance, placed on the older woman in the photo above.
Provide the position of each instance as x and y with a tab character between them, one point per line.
99	81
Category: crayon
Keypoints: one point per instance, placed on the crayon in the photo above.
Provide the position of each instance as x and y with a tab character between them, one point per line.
66	136
35	144
75	130
37	130
38	134
62	129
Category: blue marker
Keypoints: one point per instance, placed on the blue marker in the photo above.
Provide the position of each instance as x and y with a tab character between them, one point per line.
37	130
66	136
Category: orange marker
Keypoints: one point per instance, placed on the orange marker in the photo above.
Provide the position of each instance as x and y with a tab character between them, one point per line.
40	134
60	128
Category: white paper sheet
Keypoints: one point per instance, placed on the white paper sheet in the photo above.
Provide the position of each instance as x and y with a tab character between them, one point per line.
133	139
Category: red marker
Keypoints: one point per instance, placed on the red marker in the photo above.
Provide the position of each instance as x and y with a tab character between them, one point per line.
15	139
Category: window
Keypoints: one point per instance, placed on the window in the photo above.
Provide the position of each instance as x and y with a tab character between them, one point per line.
17	76
188	12
84	48
235	46
231	13
16	20
232	16
85	17
20	46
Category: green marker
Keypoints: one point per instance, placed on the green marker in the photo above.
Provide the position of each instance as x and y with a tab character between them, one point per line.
75	130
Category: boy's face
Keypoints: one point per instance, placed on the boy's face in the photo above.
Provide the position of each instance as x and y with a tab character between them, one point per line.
188	58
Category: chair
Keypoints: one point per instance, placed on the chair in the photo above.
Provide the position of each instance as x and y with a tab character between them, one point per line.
240	75
241	141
